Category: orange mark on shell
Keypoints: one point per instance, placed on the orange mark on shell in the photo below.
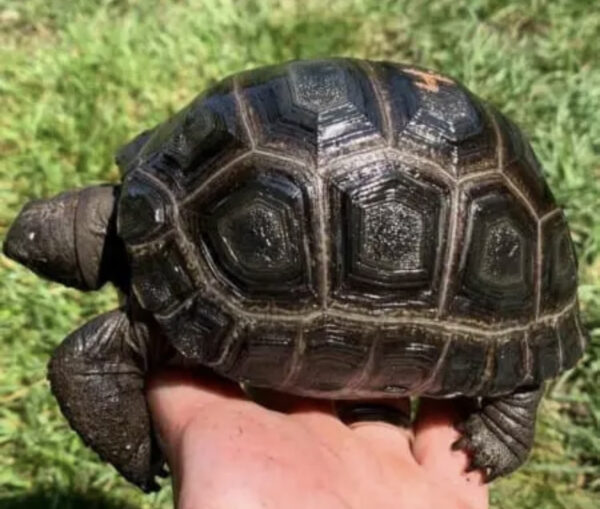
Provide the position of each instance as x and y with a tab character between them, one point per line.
429	81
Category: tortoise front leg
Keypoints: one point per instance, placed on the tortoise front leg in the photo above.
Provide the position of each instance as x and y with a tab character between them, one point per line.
498	433
98	376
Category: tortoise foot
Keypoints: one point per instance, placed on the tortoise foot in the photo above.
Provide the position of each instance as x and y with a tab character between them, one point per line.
498	433
97	377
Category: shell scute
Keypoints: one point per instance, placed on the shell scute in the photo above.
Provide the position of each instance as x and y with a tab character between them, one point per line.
254	229
496	276
343	227
522	167
464	368
197	328
159	275
200	139
145	210
333	355
572	339
509	364
317	110
387	235
406	359
264	355
442	120
545	352
559	264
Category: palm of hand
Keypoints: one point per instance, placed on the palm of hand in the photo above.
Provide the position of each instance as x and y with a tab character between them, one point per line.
228	452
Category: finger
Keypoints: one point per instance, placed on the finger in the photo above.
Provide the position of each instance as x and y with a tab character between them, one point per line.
205	385
432	449
316	415
176	397
287	403
393	437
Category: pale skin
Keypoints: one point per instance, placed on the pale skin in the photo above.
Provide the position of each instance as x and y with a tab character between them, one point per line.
225	451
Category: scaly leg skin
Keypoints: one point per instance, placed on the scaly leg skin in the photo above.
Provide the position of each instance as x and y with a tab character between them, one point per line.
97	375
498	434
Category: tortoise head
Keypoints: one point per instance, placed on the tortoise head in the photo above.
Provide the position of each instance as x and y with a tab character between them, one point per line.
71	238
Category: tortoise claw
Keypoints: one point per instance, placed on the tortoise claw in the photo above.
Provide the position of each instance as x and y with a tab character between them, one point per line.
459	426
150	486
162	472
461	444
471	468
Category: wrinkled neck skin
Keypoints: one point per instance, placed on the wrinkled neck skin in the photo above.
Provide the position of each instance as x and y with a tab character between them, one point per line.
71	239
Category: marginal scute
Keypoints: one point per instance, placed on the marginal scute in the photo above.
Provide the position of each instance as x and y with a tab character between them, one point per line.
496	276
263	355
316	110
386	241
126	157
159	275
405	359
333	354
509	367
545	351
559	265
464	367
144	210
570	341
197	329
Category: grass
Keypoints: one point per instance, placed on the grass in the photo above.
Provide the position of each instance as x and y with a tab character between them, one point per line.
79	78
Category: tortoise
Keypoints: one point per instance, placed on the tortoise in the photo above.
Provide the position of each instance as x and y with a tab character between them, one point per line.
340	228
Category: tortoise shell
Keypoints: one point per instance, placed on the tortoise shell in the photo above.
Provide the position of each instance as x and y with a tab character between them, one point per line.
345	228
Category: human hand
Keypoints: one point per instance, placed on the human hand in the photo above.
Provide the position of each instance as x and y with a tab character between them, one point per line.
226	452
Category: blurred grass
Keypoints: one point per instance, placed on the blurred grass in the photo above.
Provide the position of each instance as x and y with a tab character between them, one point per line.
79	78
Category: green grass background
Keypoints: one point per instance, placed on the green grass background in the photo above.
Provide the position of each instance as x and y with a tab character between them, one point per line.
79	77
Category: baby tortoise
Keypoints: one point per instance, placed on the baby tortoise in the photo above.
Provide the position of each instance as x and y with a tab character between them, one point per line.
339	229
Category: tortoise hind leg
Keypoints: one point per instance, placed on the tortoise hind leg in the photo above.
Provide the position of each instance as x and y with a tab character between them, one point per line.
498	433
97	375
